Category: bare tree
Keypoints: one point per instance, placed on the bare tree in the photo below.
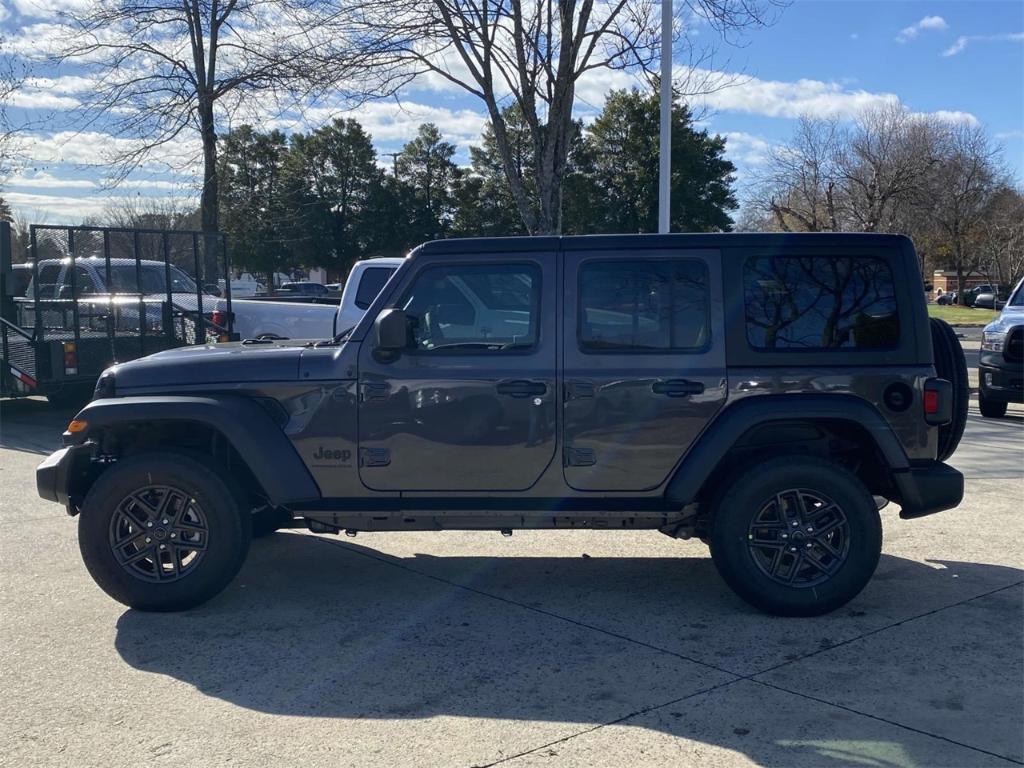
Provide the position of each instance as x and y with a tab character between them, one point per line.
799	189
167	70
958	193
531	53
882	163
12	75
1002	237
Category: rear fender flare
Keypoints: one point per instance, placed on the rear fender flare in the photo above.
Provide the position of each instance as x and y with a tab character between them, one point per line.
707	452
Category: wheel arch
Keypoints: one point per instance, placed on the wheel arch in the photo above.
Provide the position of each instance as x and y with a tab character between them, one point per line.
238	430
842	426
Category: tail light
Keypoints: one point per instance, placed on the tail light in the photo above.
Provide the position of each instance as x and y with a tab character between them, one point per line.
218	318
70	359
938	401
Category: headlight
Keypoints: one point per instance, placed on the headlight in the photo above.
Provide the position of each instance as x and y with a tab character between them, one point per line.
992	341
104	385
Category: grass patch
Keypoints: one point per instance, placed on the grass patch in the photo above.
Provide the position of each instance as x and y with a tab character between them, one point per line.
962	315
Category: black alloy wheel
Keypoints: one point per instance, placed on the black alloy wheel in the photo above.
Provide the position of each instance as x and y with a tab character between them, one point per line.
159	533
799	538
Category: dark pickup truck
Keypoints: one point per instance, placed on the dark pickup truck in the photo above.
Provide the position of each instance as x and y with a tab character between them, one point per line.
764	393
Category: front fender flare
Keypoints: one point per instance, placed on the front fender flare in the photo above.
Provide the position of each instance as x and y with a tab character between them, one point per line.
260	442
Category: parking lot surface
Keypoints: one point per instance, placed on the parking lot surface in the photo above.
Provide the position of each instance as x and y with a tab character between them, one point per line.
545	649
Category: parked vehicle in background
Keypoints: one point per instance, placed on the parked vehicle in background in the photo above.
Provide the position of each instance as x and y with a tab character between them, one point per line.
758	392
971	294
991	299
365	281
302	289
258	319
947	299
1001	364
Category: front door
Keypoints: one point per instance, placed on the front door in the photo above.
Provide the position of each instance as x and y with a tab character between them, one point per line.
470	404
644	363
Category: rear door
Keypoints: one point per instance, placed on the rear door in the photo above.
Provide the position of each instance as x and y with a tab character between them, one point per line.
644	363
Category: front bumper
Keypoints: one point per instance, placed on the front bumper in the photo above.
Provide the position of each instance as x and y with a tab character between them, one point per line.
928	489
1001	380
62	473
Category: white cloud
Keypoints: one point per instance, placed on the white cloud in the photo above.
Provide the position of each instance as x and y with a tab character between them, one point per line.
94	148
61	209
964	40
1010	135
45	9
746	149
952	116
932	23
5	14
44	180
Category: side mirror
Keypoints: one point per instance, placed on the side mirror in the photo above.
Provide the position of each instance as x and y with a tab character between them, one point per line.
391	330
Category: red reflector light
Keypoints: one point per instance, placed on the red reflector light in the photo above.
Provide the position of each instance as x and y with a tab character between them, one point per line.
218	318
931	401
70	358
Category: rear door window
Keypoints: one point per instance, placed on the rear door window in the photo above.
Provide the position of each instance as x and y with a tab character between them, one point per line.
819	302
643	306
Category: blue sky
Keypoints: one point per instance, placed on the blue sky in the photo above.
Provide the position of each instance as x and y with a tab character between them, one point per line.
963	60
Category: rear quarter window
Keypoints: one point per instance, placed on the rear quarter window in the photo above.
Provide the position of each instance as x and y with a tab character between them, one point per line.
819	302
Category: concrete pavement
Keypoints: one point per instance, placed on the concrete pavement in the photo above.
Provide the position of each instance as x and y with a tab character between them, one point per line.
549	648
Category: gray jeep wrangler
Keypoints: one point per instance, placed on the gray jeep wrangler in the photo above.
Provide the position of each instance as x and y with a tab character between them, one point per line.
765	393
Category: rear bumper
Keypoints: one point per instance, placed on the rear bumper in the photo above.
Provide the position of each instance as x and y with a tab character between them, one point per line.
60	473
928	489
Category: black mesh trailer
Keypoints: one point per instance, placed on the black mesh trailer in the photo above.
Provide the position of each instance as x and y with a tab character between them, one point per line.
75	300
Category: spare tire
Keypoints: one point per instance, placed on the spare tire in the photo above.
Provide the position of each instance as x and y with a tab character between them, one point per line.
951	366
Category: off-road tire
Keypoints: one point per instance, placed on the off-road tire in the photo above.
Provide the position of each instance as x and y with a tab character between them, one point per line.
991	409
951	365
227	540
746	493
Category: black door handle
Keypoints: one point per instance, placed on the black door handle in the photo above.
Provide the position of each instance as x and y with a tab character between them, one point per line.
677	387
521	388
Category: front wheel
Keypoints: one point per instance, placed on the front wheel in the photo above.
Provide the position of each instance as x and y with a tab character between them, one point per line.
991	409
162	532
796	536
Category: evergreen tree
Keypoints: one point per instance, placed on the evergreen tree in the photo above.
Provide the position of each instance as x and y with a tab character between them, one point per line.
252	201
616	189
331	177
425	165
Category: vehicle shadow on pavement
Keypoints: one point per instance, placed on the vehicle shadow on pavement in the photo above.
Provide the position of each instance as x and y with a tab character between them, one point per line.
324	628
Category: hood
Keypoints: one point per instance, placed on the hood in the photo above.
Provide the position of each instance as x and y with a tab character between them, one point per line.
213	364
1008	318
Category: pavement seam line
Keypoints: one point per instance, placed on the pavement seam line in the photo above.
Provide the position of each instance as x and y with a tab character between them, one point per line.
887	627
887	721
616	721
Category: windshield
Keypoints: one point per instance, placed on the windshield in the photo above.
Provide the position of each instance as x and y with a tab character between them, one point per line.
151	278
1017	300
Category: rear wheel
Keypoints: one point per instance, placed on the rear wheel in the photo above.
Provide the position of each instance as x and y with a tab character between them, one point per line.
162	532
992	409
951	365
795	536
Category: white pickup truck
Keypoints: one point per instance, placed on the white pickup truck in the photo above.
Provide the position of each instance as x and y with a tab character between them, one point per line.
291	320
252	318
